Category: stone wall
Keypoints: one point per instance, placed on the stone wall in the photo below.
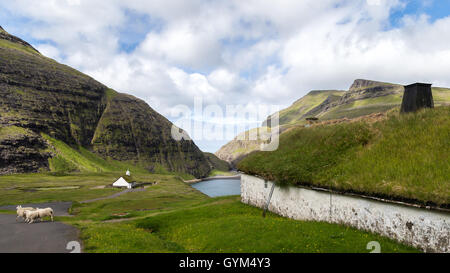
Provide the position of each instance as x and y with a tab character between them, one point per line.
423	228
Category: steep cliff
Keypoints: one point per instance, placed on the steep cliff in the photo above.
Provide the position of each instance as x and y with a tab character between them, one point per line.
129	130
22	150
43	96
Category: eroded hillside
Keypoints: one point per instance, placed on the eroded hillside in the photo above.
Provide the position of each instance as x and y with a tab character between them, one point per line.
42	96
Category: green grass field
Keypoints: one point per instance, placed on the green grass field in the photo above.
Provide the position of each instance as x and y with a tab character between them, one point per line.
171	216
405	156
226	225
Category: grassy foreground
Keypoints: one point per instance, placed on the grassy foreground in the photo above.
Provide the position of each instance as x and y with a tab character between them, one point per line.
405	156
171	216
229	226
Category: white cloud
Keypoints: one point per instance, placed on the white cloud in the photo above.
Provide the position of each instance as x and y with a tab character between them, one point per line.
49	51
236	52
183	45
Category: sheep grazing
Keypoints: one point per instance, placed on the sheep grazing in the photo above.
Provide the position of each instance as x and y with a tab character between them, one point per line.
21	211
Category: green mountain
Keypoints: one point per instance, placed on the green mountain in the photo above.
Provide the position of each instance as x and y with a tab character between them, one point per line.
304	107
242	145
364	97
41	99
217	163
403	157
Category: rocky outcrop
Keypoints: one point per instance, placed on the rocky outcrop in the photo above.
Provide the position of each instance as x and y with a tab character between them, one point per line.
329	102
43	96
365	89
361	83
22	151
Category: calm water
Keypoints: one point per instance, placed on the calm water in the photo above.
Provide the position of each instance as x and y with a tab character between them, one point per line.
219	187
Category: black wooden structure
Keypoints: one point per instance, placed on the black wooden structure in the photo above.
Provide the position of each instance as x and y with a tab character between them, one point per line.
417	96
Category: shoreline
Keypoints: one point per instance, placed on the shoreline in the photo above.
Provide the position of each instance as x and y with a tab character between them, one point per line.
194	181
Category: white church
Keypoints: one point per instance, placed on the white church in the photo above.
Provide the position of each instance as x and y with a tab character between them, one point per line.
124	182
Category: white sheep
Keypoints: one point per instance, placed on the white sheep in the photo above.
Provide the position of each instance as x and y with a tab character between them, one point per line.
45	212
21	211
31	216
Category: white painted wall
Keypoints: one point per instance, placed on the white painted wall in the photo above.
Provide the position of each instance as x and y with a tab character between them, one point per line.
422	228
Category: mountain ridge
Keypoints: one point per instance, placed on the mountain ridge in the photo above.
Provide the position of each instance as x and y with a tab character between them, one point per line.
4	35
43	96
364	97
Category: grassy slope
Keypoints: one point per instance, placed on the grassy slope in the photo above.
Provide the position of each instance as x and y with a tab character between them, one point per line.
216	163
293	113
363	107
17	46
70	159
13	131
441	95
405	156
78	159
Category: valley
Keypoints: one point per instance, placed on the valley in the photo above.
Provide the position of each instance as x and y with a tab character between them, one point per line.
65	138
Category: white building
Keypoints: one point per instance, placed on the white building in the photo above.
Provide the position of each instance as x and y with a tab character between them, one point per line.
122	183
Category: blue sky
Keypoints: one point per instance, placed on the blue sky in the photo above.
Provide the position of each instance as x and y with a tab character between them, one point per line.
230	52
436	9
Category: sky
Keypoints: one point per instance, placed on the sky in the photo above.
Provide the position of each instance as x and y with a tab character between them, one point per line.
206	56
